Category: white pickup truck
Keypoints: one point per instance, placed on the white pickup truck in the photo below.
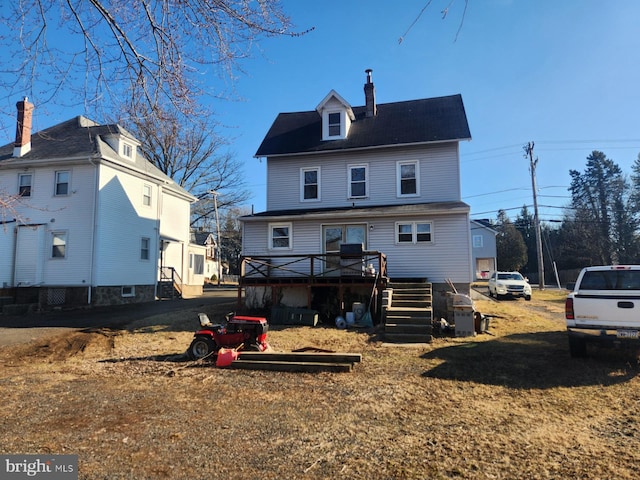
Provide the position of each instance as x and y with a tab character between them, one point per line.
604	307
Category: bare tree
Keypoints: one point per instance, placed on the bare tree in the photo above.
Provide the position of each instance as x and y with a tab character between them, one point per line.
8	208
192	153
162	50
444	12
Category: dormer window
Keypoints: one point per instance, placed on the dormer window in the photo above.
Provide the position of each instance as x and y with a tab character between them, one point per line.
334	124
337	116
127	150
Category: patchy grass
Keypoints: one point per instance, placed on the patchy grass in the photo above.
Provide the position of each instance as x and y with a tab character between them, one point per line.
509	404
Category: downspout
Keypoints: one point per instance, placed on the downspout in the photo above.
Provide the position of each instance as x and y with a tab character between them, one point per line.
159	255
96	195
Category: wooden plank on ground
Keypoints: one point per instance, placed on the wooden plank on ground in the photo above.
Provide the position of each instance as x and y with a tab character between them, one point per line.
308	357
309	367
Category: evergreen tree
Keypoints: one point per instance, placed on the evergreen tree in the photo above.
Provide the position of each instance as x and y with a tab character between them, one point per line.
525	223
510	246
602	201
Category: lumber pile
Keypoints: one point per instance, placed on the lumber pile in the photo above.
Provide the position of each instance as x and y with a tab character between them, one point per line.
296	361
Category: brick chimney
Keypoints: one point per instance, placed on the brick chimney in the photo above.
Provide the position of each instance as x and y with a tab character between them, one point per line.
22	146
370	95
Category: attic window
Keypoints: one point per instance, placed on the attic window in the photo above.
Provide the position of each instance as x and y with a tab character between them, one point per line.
334	124
127	150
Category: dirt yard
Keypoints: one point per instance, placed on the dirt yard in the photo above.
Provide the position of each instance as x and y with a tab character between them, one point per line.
510	404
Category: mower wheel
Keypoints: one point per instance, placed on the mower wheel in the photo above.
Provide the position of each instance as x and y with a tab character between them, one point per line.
201	347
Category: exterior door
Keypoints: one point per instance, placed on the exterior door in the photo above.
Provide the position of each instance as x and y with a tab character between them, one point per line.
30	252
336	235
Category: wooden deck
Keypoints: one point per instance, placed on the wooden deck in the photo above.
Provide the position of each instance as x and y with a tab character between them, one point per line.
367	271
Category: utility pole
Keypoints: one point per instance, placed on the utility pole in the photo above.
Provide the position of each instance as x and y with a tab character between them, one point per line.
536	218
215	207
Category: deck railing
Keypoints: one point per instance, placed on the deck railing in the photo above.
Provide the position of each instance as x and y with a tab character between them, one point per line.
311	267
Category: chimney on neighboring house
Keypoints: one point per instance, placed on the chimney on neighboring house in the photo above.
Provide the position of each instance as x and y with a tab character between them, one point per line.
22	146
370	95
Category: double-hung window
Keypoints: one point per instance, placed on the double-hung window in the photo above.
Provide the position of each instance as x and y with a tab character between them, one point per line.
358	178
334	124
24	184
127	150
280	236
414	232
62	182
146	195
310	184
407	179
58	244
145	244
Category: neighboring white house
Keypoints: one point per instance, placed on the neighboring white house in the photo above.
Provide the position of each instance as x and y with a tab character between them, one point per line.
96	222
208	241
384	176
483	244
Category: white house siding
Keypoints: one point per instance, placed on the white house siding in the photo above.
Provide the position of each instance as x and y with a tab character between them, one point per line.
69	213
175	254
438	169
123	222
7	254
306	240
447	257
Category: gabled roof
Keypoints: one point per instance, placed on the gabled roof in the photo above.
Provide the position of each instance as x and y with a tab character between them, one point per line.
486	224
201	238
81	139
338	97
400	123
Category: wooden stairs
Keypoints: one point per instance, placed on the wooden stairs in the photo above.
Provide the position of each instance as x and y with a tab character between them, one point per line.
408	313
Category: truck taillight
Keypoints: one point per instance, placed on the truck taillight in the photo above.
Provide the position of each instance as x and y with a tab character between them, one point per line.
568	309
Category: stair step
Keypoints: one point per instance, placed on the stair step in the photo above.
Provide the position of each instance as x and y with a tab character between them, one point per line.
399	319
407	338
395	328
410	304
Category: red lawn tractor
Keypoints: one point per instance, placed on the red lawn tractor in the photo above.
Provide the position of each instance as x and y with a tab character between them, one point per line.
248	332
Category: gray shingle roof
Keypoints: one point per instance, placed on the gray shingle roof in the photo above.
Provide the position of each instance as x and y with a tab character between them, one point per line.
411	122
81	138
431	208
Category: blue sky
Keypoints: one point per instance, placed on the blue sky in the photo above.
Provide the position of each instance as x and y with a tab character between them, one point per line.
563	74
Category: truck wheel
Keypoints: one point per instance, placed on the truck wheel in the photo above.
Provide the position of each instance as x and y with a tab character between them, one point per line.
577	347
527	298
201	347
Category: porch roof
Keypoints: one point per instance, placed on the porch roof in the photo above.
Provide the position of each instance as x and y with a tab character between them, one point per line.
432	208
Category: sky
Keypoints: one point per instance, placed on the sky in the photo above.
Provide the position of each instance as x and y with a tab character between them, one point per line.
562	74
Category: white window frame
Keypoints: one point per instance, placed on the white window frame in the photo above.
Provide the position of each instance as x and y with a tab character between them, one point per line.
197	267
127	150
274	226
59	234
399	166
478	241
333	125
326	125
303	184
146	199
143	249
56	183
128	291
20	185
350	168
414	233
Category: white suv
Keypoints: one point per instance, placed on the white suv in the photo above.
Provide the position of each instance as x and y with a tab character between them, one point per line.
509	284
